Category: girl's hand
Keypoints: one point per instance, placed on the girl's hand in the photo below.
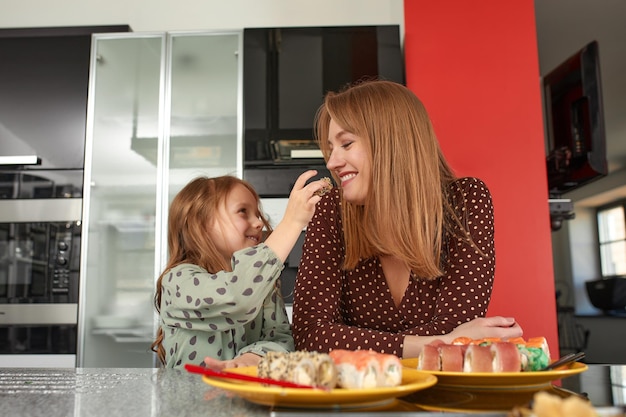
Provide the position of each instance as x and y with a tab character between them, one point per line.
299	211
247	359
302	199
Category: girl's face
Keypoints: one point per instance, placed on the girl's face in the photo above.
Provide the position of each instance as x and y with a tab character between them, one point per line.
237	225
349	160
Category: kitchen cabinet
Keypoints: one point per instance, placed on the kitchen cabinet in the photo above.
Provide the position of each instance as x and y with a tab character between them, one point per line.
163	108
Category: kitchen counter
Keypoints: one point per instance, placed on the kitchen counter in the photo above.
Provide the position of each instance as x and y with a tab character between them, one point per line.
150	392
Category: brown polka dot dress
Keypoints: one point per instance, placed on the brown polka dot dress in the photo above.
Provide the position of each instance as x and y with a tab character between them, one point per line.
225	314
335	309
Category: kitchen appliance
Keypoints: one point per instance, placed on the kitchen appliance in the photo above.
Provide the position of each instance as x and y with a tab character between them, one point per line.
608	294
40	233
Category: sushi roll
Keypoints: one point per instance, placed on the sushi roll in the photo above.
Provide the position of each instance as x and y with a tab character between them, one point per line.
452	357
366	368
390	369
485	341
327	375
478	358
307	368
429	359
541	343
462	341
355	369
506	357
535	354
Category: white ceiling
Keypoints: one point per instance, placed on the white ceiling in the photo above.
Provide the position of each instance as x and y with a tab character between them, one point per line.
563	28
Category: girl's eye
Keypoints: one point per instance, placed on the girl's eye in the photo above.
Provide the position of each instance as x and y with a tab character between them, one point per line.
347	145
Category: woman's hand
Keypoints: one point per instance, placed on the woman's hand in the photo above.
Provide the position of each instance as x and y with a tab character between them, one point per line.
247	359
482	327
479	328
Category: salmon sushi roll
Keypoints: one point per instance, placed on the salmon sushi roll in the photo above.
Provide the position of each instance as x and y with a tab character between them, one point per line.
355	369
429	359
462	341
390	369
452	357
478	358
506	357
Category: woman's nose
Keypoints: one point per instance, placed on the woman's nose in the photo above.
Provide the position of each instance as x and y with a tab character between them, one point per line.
333	162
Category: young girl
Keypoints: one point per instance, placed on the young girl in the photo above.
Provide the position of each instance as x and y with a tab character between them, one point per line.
219	296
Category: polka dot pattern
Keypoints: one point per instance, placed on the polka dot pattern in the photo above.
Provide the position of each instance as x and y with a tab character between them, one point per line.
355	309
225	314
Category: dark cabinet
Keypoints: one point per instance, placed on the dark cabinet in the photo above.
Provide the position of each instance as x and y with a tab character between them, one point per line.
286	73
44	80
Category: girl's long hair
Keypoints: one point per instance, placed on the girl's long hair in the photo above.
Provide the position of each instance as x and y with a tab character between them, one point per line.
408	209
191	212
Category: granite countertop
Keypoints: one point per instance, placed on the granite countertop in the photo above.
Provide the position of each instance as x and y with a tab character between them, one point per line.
108	392
155	392
139	392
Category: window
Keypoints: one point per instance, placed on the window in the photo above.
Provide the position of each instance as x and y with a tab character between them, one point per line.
612	239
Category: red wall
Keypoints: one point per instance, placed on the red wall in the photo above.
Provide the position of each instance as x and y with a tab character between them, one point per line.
475	66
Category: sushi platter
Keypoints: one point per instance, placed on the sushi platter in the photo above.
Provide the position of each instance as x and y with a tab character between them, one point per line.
337	398
501	380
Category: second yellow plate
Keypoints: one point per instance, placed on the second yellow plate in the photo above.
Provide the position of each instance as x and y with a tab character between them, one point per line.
501	380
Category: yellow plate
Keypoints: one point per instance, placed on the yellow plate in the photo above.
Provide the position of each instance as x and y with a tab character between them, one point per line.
412	381
501	380
452	399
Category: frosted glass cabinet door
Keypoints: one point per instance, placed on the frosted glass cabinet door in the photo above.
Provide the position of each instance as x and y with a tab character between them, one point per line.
205	102
125	102
163	109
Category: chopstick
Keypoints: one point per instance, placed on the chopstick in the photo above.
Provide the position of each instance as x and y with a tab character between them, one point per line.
565	360
241	377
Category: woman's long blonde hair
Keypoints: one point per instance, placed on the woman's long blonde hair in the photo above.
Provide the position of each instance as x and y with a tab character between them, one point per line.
408	209
192	210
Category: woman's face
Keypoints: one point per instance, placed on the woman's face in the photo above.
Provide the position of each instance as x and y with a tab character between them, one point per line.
349	161
237	225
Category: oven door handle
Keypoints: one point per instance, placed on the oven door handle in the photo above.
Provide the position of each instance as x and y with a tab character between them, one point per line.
41	210
20	160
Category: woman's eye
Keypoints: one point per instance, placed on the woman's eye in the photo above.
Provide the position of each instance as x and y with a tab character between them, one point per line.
347	145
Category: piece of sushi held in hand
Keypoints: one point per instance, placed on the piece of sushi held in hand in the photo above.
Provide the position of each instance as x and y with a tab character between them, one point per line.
485	355
366	369
326	188
306	368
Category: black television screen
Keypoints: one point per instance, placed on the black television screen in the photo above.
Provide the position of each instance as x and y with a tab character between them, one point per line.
286	73
576	142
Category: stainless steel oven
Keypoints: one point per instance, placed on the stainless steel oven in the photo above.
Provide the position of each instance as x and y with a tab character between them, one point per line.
40	235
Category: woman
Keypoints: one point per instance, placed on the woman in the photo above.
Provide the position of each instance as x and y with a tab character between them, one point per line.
402	253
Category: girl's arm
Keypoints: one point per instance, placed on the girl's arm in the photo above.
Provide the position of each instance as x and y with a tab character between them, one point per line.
196	299
276	331
275	335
